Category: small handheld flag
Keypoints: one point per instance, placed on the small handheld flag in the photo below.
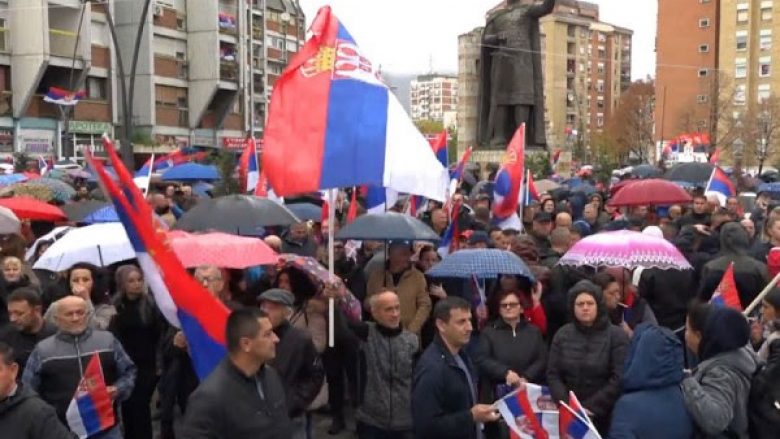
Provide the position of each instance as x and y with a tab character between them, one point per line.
91	410
721	186
248	172
726	294
520	409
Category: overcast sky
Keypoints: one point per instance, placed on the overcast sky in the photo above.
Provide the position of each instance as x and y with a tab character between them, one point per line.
409	35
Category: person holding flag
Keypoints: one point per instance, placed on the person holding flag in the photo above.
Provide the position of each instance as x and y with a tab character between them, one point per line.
57	365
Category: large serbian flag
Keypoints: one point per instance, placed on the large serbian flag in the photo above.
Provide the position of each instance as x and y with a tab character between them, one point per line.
333	123
185	303
509	179
60	96
91	411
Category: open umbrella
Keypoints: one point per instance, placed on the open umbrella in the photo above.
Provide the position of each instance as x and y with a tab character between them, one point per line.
9	222
483	263
626	249
78	210
32	209
652	192
11	179
35	191
306	211
191	172
98	244
316	272
55	234
61	191
387	226
235	214
646	171
105	214
220	249
690	172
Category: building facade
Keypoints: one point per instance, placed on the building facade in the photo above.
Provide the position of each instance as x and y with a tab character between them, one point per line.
687	65
434	97
587	66
204	76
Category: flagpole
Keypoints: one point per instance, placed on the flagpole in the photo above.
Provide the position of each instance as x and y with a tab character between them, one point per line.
581	419
149	180
331	270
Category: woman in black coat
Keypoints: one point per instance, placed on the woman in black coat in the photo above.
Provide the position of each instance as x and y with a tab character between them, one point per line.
587	355
138	326
511	351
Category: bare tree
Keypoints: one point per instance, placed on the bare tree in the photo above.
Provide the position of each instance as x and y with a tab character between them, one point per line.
761	130
631	125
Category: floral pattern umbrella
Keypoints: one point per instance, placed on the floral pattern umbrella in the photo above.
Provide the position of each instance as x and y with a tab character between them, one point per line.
625	249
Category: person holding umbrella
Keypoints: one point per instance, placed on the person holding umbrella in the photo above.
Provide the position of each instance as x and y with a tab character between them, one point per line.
401	277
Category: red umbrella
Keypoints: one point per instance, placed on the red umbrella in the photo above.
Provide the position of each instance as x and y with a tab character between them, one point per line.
220	249
650	192
32	209
620	185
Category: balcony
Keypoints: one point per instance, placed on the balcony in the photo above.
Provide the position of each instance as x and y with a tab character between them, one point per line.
6	103
62	42
5	46
228	70
227	18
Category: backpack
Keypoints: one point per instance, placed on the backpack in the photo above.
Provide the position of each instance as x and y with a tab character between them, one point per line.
764	399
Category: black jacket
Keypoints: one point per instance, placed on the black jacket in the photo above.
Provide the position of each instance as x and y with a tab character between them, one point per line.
25	416
299	366
23	342
227	405
502	349
139	327
765	397
441	399
668	293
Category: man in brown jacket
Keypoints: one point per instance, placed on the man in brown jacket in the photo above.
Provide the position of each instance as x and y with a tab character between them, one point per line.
407	282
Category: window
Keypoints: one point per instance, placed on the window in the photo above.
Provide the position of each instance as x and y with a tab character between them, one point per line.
704	48
96	88
601	68
292	46
742	40
599	120
766	10
765	39
764	90
742	13
740	67
740	94
703	73
3	36
704	23
764	66
702	99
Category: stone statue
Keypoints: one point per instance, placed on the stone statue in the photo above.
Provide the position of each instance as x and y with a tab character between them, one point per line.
511	84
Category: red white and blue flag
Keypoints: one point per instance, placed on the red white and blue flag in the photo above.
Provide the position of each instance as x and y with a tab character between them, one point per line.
91	410
721	186
530	413
509	179
177	157
352	130
449	242
439	146
60	96
573	421
248	172
380	199
530	192
185	303
726	294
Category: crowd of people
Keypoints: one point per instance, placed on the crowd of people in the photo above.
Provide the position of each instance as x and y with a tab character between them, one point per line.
643	350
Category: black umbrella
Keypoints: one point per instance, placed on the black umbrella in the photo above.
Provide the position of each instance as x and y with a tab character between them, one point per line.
306	211
236	214
388	226
483	187
646	171
79	210
690	172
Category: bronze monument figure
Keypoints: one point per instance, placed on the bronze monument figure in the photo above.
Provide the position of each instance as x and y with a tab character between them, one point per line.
511	84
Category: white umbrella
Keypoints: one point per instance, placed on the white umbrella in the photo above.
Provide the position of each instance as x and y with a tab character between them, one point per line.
99	244
9	222
55	234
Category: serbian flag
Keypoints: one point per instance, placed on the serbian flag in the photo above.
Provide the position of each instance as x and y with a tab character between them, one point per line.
449	242
170	160
726	294
439	146
380	199
531	194
351	131
352	212
248	173
506	192
721	186
60	96
91	410
527	412
715	157
263	189
478	298
185	303
555	157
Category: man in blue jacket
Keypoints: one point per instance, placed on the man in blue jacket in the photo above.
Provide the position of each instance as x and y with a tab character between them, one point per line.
444	388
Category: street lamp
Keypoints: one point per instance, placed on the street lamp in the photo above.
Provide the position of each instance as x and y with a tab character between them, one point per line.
763	142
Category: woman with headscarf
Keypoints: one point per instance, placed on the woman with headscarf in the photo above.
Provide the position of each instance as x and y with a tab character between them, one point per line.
716	393
587	355
139	327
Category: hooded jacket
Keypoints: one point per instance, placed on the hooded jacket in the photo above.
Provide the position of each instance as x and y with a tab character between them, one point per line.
717	395
24	415
588	360
750	275
652	404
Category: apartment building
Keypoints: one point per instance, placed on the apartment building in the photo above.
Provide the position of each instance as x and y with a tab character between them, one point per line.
587	66
204	76
434	97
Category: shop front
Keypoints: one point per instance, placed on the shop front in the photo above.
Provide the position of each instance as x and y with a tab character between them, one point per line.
87	134
6	140
37	137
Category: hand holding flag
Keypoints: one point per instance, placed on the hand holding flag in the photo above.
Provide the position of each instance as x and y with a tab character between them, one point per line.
91	410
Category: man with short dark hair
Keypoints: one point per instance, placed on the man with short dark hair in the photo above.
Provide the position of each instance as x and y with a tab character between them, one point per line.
444	393
540	231
243	398
699	215
23	415
27	326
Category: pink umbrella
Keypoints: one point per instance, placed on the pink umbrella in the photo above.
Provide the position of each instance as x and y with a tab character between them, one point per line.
220	249
625	249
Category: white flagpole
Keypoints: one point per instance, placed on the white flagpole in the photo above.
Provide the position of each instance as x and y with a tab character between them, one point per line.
149	176
331	233
581	419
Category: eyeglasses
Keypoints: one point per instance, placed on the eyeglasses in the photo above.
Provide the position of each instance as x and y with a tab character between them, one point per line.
510	305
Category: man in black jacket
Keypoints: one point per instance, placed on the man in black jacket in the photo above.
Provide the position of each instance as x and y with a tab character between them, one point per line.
296	360
444	394
27	326
243	398
23	415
